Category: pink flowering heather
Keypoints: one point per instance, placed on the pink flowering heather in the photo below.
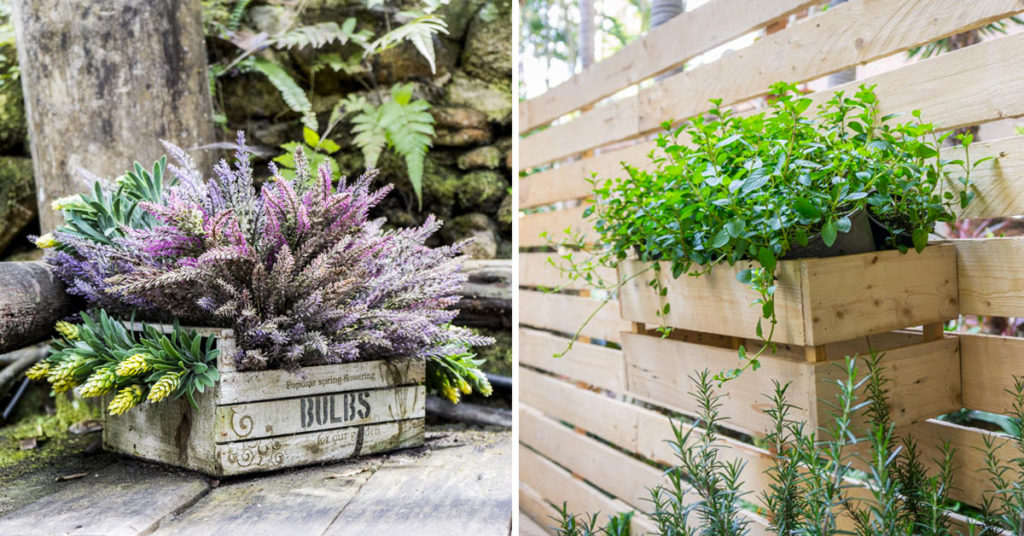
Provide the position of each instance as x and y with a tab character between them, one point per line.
298	269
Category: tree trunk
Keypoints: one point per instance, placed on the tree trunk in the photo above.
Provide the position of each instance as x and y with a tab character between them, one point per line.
586	33
663	11
104	81
33	300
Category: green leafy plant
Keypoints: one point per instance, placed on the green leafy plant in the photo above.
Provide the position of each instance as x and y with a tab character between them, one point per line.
456	374
102	216
815	471
765	186
575	525
396	121
102	356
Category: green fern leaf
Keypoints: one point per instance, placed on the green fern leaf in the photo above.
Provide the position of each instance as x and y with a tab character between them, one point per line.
235	20
370	134
409	129
292	94
419	31
320	34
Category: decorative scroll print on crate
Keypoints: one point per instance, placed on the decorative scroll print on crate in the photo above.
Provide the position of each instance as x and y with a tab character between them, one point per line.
267	420
622	380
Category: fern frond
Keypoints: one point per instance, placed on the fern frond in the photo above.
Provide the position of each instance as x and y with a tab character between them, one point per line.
235	20
419	31
409	129
292	94
320	34
370	134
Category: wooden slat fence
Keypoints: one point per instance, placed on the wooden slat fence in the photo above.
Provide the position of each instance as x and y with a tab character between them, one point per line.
594	422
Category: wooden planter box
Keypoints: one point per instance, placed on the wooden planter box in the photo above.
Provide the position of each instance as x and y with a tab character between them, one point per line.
268	420
817	301
924	377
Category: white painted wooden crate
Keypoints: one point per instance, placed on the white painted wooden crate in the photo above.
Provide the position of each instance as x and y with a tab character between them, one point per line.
272	419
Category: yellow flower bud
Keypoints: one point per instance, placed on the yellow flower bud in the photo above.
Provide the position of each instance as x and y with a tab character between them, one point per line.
165	386
46	241
99	383
126	399
134	365
68	330
38	371
450	393
464	387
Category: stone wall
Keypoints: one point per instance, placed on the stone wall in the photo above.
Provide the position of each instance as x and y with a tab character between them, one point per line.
467	177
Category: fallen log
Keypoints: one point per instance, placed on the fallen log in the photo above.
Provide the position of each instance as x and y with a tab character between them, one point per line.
32	299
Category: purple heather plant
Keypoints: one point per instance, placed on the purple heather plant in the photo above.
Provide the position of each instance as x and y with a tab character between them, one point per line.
298	270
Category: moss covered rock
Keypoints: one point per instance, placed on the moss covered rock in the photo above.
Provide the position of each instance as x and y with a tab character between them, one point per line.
17	198
487	54
487	157
481	190
475	226
493	99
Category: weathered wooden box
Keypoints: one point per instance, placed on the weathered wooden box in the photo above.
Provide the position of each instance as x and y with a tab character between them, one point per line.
818	301
924	376
268	420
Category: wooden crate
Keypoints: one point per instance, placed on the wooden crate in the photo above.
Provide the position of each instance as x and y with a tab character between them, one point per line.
924	377
267	420
818	301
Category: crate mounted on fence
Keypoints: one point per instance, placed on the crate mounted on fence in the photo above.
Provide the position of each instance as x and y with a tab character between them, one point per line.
818	301
253	421
924	376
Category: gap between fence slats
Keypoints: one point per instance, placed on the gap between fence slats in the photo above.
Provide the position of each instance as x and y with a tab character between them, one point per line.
536	271
661	49
853	33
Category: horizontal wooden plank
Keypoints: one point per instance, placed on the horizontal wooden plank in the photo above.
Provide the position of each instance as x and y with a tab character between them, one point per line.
620	475
989	366
558	486
237	387
925	380
853	33
991	276
536	270
538	510
595	365
631	427
970	483
817	301
553	222
660	49
570	180
255	420
565	313
998	185
242	457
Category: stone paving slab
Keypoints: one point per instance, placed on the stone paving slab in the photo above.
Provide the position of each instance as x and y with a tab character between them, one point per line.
461	482
124	499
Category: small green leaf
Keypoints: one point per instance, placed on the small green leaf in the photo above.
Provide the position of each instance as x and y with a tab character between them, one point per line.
806	209
721	239
828	233
920	238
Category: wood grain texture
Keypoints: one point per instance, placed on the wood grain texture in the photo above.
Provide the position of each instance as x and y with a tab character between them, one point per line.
850	34
238	387
595	365
989	364
241	457
925	380
34	299
569	180
271	418
554	223
133	502
817	301
120	92
565	314
536	270
623	477
458	489
991	276
536	509
557	485
659	50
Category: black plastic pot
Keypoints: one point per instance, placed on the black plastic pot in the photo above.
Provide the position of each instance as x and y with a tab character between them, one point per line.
880	232
859	239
